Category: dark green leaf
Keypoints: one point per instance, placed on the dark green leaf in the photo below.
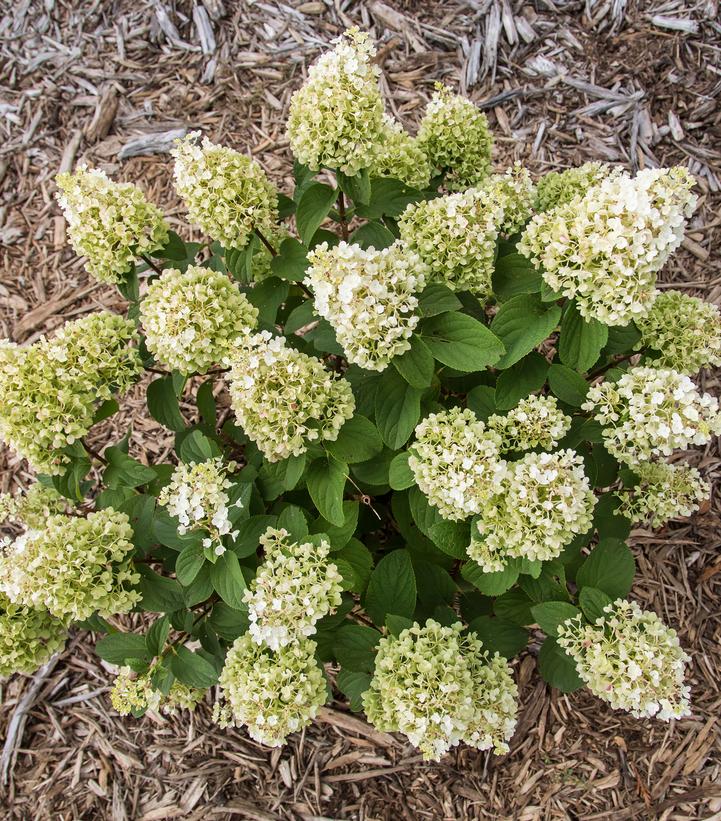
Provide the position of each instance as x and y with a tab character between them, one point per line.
117	647
291	262
268	296
156	637
581	340
522	323
610	567
397	409
569	386
205	401
388	197
490	584
123	471
622	339
163	404
165	531
557	668
358	188
607	521
499	635
354	563
353	684
461	342
188	563
249	532
358	441
520	380
286	206
372	235
292	519
482	401
392	587
159	594
140	509
192	669
197	447
416	365
355	647
174	248
437	299
313	208
451	537
400	476
228	580
105	410
338	535
515	606
514	275
228	622
326	480
550	614
397	624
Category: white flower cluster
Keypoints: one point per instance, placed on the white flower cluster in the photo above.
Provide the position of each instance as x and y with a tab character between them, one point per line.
336	117
285	399
456	462
455	236
684	331
295	587
192	319
369	297
651	412
544	502
32	507
630	659
133	693
663	492
514	193
227	194
272	693
536	422
438	687
400	156
110	223
604	248
196	495
28	637
560	187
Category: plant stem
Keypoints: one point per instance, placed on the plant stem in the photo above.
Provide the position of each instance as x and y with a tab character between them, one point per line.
342	215
150	262
94	453
265	242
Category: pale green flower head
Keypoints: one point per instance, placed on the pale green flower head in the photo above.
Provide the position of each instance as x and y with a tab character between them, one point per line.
400	156
272	693
132	693
192	319
560	187
663	492
369	297
110	223
49	390
513	192
28	637
684	331
536	422
31	508
226	193
336	116
455	136
630	659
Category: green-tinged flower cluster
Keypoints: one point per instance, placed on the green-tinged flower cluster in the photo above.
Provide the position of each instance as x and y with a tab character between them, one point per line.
455	236
285	399
133	693
197	496
604	248
273	693
683	331
110	223
630	659
560	187
663	492
400	156
455	137
49	390
651	412
536	422
336	117
438	687
227	194
369	297
192	319
514	193
456	462
73	567
28	637
546	500
31	508
295	587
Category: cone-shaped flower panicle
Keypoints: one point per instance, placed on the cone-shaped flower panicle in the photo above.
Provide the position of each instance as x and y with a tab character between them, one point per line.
513	192
28	637
560	187
400	156
663	492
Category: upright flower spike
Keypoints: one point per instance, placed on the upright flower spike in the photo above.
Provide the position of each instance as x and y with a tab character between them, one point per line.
369	297
456	139
49	390
560	187
285	399
438	687
630	659
604	248
273	694
651	412
514	193
227	194
683	331
31	508
110	223
336	117
536	422
455	236
295	587
28	637
192	319
545	501
73	567
401	156
456	462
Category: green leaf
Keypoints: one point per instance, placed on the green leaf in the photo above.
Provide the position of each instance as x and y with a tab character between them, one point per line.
291	262
188	564
353	684
117	647
156	637
165	531
197	447
192	669
570	387
300	317
372	235
140	509
490	584
607	521
286	206
313	208
622	339
174	248
392	587
416	365
358	441
105	410
268	296
550	614
358	188
159	594
355	647
163	404
228	580
482	401
388	197
338	535
292	519
580	341
397	409
461	342
437	299
593	601
514	275
610	567
205	401
520	380
557	668
354	563
249	532
326	480
397	624
522	323
499	635
400	475
514	606
124	471
451	537
228	622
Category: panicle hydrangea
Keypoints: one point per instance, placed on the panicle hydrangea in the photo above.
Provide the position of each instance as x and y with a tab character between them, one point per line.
336	117
74	566
438	687
192	319
260	267
285	399
227	194
455	235
651	412
400	156
630	659
560	187
295	587
49	390
513	192
181	697
31	508
536	422
684	330
663	492
455	136
273	693
110	223
133	693
28	637
456	462
605	247
546	500
369	297
196	495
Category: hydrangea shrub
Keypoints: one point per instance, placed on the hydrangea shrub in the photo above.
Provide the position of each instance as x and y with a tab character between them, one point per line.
417	404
